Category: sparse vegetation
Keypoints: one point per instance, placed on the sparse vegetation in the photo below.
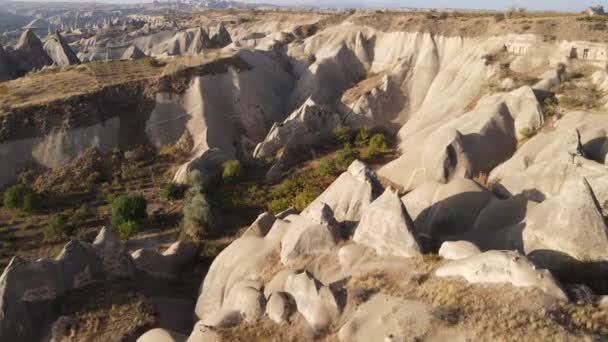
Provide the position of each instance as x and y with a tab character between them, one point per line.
59	228
233	170
198	217
170	192
346	156
130	207
21	196
342	134
327	167
127	230
153	62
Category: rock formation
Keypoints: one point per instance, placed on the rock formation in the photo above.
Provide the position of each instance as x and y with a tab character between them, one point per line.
59	50
133	52
387	227
30	53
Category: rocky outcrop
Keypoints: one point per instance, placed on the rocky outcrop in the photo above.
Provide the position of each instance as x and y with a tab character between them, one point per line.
351	193
60	51
388	318
8	68
386	227
220	36
168	264
570	223
315	301
36	285
279	307
456	250
161	335
502	267
314	232
444	210
29	53
241	262
133	53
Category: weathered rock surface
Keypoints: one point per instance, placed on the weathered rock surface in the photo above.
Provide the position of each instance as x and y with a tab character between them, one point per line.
387	227
442	210
242	261
29	53
351	193
278	307
117	262
387	318
133	52
313	232
161	335
502	267
8	67
456	250
60	51
315	301
569	223
168	264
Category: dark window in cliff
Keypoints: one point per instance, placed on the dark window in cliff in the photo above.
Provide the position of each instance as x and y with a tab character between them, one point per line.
573	53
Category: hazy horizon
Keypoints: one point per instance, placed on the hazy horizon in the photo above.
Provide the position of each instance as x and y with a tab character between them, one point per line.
535	5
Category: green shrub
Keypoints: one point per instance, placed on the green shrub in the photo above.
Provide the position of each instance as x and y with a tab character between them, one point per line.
170	192
20	196
327	167
127	230
278	205
378	141
233	170
130	207
362	138
198	217
80	215
346	156
197	182
342	134
59	228
153	62
304	198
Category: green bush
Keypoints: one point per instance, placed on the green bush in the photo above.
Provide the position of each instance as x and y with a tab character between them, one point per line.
233	170
342	134
346	156
362	138
198	217
153	62
59	228
378	141
80	215
127	230
20	196
304	198
130	207
327	167
278	205
197	182
170	192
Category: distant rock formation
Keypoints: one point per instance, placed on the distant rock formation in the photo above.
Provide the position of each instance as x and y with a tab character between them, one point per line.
7	66
29	53
60	51
595	10
133	52
220	36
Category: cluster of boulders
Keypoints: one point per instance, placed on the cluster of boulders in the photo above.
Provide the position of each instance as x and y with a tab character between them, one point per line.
29	290
297	263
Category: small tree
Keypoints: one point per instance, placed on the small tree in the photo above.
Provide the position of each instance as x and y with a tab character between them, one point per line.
198	217
342	134
58	228
233	170
304	198
20	196
170	192
127	230
362	137
130	207
346	156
